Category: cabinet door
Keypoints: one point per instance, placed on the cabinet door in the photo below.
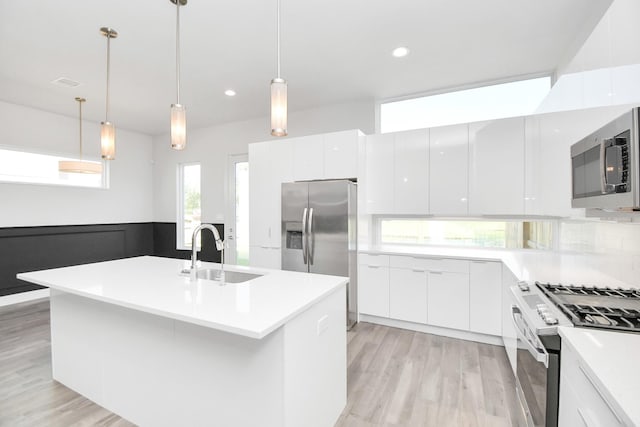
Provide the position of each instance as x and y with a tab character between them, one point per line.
485	297
373	290
341	154
265	257
448	300
408	295
280	170
379	173
509	334
448	169
411	177
496	167
308	157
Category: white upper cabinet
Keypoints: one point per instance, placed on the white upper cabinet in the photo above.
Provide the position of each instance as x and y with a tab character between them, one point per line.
379	174
341	154
308	157
411	172
448	170
496	167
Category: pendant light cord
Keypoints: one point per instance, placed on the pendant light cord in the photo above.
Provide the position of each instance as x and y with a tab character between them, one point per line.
108	73
178	51
80	107
278	25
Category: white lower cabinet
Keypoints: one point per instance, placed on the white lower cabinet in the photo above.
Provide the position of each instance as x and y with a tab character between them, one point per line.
373	290
485	297
448	299
408	295
265	257
582	400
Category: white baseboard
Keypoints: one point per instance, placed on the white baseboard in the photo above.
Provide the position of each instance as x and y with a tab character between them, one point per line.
435	330
24	297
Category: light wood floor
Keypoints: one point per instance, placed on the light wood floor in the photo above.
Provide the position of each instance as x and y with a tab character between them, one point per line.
395	378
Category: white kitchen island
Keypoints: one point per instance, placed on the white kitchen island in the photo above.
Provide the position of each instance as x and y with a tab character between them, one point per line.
150	345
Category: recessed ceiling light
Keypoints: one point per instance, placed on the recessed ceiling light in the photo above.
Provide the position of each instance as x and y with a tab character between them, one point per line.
230	92
400	52
65	82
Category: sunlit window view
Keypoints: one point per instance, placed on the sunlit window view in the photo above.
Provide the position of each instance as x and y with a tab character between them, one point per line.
190	215
242	213
35	168
483	103
486	234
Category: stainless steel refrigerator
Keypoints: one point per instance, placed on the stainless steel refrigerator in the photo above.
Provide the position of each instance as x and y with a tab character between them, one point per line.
319	232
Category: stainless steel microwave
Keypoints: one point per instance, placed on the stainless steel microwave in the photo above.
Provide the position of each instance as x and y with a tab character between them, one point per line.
605	166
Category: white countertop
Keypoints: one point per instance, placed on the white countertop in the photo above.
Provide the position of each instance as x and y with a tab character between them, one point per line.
612	358
544	266
150	284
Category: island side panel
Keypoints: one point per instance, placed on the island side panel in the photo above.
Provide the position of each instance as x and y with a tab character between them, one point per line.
315	361
157	371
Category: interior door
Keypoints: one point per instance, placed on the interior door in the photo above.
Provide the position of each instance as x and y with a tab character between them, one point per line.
295	200
329	227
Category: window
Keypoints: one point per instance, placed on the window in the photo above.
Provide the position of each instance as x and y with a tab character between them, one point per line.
486	234
483	103
189	204
25	167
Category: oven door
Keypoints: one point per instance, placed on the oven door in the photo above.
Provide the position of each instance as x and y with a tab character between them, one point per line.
531	370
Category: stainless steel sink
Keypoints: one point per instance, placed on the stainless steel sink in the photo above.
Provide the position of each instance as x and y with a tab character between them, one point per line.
229	276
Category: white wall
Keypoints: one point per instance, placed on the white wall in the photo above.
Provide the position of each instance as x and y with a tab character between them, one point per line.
605	70
129	198
212	145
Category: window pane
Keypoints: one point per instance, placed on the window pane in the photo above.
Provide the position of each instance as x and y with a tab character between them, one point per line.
34	168
487	234
242	213
191	211
484	103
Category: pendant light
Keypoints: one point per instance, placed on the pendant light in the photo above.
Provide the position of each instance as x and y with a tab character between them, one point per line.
178	112
107	130
278	94
79	166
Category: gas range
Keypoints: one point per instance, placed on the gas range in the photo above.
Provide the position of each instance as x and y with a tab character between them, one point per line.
591	307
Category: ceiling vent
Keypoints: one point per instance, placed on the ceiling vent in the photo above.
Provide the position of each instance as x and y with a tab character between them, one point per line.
65	82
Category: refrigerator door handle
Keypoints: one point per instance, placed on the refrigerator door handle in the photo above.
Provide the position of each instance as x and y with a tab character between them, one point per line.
304	236
311	237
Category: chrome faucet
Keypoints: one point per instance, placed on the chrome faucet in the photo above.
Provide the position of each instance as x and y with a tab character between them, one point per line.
194	249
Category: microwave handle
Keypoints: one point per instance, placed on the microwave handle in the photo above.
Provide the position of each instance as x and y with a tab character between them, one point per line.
603	166
540	354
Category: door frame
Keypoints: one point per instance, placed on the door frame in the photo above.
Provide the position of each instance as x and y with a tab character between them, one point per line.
231	254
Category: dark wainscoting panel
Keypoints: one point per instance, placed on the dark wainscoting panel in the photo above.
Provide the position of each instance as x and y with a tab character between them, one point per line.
36	248
164	242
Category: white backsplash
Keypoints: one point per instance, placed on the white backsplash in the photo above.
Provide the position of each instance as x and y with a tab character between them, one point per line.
600	237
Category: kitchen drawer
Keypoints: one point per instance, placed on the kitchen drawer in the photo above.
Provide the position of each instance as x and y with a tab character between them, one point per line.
594	407
373	260
429	264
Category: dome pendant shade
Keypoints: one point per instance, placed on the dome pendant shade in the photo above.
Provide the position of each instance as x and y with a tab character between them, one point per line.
278	107
79	166
108	140
178	127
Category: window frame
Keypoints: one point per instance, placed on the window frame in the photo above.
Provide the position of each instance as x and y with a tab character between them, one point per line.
376	231
180	205
105	178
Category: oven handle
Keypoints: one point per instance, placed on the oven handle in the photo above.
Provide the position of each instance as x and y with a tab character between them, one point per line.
537	351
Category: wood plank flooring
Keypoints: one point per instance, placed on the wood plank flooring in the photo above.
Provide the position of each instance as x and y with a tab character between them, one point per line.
395	378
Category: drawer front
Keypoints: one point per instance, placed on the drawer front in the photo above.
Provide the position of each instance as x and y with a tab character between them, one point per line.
594	408
374	259
429	264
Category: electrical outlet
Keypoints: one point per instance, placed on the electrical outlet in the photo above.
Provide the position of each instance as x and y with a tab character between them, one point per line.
323	324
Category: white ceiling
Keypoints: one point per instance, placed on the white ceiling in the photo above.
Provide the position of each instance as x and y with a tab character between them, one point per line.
333	51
